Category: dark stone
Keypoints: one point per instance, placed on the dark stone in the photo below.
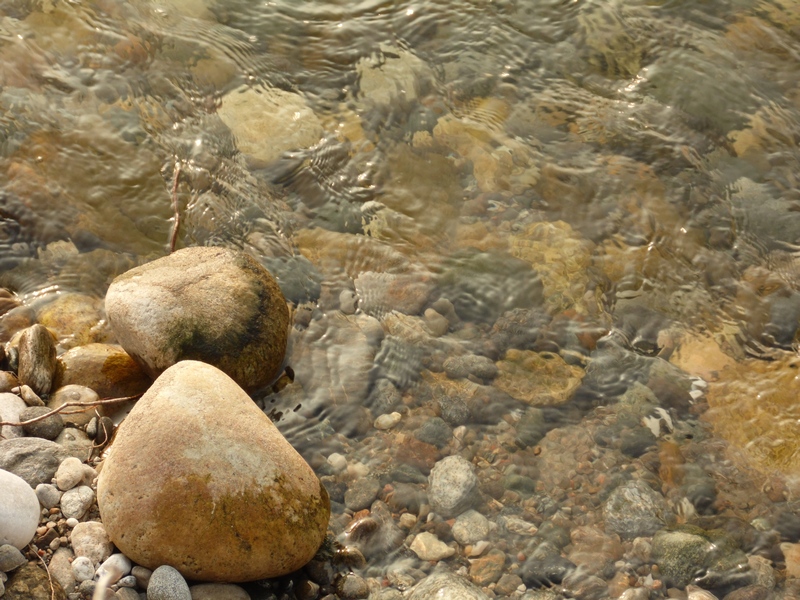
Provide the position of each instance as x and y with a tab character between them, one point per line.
434	431
361	493
48	428
749	592
454	410
547	571
636	510
519	483
531	428
406	496
637	441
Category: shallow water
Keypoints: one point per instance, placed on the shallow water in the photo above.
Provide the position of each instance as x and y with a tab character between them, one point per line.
575	190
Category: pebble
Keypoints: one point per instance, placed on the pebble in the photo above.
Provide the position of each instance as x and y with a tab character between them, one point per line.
82	569
361	493
634	510
47	428
470	527
10	558
452	486
115	567
459	367
338	462
167	584
33	459
142	575
387	421
30	397
428	547
69	474
19	510
351	587
61	568
126	593
75	502
72	522
487	569
444	585
434	431
11	406
127	581
48	495
91	540
218	591
37	358
437	324
74	393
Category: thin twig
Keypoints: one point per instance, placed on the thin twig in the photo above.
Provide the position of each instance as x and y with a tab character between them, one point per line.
66	405
176	218
32	548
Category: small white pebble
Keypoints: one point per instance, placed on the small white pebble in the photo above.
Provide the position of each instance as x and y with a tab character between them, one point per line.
338	462
387	421
82	569
407	520
71	522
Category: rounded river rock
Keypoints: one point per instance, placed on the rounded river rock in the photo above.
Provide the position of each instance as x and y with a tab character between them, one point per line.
227	499
214	305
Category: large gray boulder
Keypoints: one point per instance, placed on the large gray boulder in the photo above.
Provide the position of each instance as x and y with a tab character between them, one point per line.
200	479
214	305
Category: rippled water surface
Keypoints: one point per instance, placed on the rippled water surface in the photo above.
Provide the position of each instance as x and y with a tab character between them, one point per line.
502	220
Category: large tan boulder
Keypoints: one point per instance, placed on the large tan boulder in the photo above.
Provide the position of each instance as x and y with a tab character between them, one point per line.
200	479
215	305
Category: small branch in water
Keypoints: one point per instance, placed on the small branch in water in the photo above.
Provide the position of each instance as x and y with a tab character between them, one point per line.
176	213
83	405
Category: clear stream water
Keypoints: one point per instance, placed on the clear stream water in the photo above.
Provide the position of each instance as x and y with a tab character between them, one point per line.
619	173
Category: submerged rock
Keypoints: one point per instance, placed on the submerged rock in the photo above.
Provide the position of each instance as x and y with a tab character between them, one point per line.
210	304
257	509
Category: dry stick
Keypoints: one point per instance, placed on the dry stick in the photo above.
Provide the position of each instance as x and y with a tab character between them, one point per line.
31	547
66	405
176	222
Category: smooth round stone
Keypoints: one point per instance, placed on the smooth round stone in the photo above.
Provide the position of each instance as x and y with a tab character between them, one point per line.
443	585
218	591
142	575
75	502
452	486
470	527
90	539
10	558
166	583
69	474
74	393
48	428
180	307
434	431
361	493
11	406
82	569
257	508
352	587
115	567
72	522
48	495
634	510
105	368
338	462
428	547
19	510
387	421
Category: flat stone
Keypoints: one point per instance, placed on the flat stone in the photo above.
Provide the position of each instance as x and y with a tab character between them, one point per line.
33	459
61	568
258	510
487	569
538	378
452	486
428	547
179	307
